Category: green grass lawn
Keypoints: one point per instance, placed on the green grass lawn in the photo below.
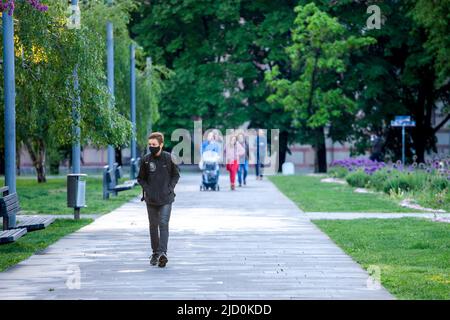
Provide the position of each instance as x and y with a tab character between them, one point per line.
311	195
51	197
33	242
413	254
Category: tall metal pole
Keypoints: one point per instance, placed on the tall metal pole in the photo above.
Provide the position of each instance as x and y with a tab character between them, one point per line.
10	106
149	70
403	145
110	74
133	106
76	149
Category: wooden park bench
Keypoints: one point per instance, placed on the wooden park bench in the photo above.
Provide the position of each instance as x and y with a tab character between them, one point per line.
119	174
110	181
9	205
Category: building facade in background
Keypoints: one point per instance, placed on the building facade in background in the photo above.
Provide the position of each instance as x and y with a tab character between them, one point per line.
302	155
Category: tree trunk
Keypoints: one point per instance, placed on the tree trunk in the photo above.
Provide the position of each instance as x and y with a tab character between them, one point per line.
419	144
36	149
423	134
118	152
320	161
283	149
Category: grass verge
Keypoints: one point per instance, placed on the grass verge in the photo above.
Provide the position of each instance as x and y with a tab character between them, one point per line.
33	242
412	254
51	197
311	195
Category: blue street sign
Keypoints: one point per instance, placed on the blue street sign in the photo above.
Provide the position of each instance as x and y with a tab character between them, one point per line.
396	123
403	118
409	124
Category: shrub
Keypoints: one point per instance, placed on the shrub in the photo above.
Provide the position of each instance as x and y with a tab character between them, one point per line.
432	199
338	172
358	179
405	181
439	183
398	182
417	180
377	180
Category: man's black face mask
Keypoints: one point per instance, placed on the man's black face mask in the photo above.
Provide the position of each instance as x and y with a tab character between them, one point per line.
154	150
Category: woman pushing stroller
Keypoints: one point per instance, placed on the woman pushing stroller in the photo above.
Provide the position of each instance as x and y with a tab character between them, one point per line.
209	163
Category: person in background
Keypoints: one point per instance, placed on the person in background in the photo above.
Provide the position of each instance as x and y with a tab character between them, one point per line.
233	150
218	139
210	144
261	146
243	160
158	176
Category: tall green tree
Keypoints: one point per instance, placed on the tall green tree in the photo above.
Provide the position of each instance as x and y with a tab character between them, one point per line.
149	85
401	74
319	53
47	53
388	78
219	51
195	39
433	17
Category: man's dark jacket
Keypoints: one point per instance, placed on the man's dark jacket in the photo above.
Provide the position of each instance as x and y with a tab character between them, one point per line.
158	176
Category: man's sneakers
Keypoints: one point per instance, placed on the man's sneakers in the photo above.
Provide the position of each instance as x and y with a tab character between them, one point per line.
162	261
159	259
154	259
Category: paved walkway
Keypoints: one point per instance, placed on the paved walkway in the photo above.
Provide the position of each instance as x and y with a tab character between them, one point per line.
250	244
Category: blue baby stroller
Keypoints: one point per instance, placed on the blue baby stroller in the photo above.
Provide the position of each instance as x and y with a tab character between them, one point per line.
209	165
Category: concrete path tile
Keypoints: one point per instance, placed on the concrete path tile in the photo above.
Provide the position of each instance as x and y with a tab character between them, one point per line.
253	243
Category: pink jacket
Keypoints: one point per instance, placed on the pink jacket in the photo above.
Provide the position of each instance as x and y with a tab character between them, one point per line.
233	152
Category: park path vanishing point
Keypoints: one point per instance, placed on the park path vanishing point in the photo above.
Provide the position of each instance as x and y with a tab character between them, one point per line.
253	243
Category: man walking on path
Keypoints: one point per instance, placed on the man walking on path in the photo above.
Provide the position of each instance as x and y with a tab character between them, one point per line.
158	176
261	145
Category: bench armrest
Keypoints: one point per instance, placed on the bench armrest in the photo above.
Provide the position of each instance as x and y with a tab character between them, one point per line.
4	191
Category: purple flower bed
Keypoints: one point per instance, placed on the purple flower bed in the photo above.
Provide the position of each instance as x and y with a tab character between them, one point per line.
438	165
428	182
353	164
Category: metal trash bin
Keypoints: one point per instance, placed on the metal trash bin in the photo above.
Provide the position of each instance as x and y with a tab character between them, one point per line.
76	192
134	168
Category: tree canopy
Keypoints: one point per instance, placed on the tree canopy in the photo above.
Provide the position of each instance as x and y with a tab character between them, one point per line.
47	54
319	53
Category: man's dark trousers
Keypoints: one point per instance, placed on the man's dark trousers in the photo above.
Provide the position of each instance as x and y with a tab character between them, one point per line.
159	219
158	176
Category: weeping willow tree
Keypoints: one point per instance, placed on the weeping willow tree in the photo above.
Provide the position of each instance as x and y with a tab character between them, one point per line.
150	79
47	53
150	86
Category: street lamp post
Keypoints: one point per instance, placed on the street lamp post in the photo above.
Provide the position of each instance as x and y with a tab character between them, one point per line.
76	152
133	108
10	106
403	121
403	145
149	74
110	75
